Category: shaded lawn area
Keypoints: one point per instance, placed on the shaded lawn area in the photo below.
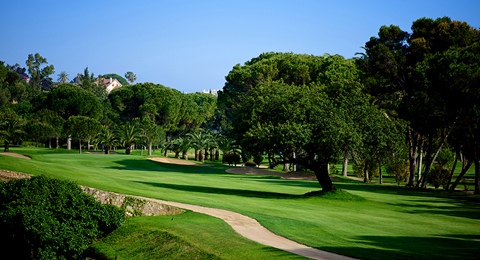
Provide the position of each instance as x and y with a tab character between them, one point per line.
390	221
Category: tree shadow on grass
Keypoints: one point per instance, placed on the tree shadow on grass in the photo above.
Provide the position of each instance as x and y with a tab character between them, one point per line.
434	202
448	246
224	191
148	165
454	209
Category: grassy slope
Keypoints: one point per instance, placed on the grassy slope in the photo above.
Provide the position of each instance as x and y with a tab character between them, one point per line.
185	236
392	222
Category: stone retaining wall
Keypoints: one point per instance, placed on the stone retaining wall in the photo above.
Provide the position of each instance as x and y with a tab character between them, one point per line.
133	206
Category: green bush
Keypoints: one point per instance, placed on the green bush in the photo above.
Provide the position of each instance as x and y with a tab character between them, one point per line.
252	164
359	169
44	218
438	176
400	170
258	158
232	158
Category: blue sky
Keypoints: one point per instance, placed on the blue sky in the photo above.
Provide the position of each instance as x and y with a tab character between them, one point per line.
192	45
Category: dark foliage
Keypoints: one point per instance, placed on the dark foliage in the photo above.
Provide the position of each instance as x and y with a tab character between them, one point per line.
44	218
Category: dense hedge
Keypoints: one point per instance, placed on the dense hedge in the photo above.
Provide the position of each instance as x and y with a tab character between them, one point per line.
44	218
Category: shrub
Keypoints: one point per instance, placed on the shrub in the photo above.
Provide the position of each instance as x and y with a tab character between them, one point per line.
250	164
438	176
44	218
333	169
258	158
359	169
231	158
400	170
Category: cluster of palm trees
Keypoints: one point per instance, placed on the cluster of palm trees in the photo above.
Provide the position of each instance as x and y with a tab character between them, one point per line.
205	143
128	135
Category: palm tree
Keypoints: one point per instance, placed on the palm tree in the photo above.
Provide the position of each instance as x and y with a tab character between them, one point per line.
212	143
108	139
199	142
11	130
225	144
128	134
130	76
63	77
194	139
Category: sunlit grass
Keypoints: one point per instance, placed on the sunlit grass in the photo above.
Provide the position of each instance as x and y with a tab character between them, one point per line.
369	221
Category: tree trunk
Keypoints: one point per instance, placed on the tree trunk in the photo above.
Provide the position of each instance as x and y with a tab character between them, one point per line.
217	154
128	149
167	139
477	177
80	145
150	149
428	165
200	156
212	155
380	173
366	177
196	155
269	158
430	161
321	172
345	164
69	142
185	155
107	149
412	156
452	172
420	159
465	168
7	146
58	143
50	143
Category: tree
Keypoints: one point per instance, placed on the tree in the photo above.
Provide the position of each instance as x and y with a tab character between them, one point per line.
38	130
83	128
87	80
108	139
287	103
130	77
156	102
37	73
55	123
152	133
397	66
128	134
63	77
11	129
69	100
199	141
457	73
195	111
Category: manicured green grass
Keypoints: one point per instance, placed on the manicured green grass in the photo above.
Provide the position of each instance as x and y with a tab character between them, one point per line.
391	221
185	236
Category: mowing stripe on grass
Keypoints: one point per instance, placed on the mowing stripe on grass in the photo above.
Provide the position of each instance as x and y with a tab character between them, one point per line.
251	229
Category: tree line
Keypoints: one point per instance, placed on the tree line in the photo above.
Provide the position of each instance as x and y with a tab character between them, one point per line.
144	114
407	104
